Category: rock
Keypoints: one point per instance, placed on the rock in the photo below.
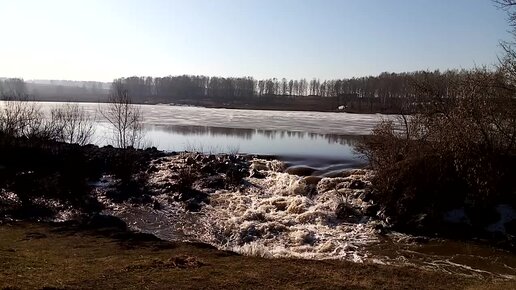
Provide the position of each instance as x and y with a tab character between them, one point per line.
192	196
344	211
189	160
156	205
357	184
300	170
167	186
304	237
371	210
193	206
366	196
379	228
256	174
152	169
105	221
312	180
207	169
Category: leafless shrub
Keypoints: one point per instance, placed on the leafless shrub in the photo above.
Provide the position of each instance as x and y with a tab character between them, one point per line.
460	149
125	118
20	118
72	124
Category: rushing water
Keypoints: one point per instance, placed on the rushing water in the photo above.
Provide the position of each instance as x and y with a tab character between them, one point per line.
281	218
278	216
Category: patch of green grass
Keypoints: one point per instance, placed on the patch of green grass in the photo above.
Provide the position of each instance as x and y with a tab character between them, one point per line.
41	255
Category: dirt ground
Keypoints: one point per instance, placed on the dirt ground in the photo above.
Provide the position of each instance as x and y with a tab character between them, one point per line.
39	255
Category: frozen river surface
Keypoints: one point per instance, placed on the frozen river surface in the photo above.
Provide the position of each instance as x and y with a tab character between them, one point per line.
317	139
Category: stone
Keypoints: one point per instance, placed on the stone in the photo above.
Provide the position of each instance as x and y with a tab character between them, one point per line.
345	211
312	180
300	170
357	184
256	174
105	221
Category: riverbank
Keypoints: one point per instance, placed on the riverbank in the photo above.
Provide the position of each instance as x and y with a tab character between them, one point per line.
245	204
74	256
298	104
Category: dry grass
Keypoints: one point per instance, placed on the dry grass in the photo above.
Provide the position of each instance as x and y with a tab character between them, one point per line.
40	255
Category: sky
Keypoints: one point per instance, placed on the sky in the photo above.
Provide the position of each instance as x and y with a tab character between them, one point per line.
105	39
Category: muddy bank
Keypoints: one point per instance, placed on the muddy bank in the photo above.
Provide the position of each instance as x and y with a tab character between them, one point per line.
74	256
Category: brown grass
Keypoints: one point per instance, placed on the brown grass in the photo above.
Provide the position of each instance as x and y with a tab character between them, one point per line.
40	255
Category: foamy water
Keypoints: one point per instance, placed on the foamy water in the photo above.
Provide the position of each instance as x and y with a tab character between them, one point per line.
276	217
282	215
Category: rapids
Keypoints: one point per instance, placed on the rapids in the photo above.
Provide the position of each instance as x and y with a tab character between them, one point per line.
284	215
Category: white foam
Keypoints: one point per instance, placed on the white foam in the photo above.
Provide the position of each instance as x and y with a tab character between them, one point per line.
278	217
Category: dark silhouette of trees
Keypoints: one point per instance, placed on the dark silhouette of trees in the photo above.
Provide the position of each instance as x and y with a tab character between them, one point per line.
385	93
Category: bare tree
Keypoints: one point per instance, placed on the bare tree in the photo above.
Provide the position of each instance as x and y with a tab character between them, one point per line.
19	117
125	118
72	124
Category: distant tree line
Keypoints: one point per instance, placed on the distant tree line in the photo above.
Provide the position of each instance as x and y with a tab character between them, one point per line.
386	93
55	90
386	85
13	87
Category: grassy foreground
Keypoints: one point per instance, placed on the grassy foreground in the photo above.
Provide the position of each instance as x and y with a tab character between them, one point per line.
34	255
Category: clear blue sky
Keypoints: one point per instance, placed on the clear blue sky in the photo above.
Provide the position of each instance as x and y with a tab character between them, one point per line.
103	39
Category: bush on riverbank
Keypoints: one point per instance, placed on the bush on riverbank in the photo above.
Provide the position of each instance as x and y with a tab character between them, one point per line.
460	152
44	158
64	172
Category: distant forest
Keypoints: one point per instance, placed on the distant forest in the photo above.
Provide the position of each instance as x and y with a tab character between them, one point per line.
385	93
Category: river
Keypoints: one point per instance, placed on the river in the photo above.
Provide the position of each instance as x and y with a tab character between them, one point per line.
316	139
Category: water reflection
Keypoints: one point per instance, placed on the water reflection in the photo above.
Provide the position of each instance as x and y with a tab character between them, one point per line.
186	130
295	136
247	134
321	151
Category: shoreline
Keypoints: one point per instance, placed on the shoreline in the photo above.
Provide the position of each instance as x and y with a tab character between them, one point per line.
77	256
227	106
